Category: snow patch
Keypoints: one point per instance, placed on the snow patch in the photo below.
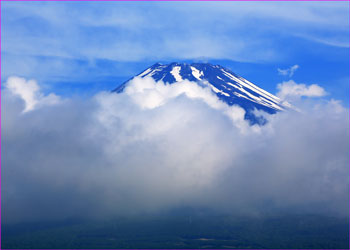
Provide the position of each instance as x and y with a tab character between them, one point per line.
176	73
196	73
145	72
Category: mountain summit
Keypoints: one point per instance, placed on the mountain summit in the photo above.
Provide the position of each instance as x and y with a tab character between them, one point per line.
228	86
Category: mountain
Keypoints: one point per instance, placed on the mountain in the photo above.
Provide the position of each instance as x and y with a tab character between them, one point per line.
228	86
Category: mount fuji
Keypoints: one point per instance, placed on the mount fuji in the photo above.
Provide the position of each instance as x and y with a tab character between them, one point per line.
228	86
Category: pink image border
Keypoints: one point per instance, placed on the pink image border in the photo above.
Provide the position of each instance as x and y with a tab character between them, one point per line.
146	1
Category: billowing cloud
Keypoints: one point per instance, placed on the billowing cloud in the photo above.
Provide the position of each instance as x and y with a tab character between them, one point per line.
288	72
147	94
158	146
291	89
30	93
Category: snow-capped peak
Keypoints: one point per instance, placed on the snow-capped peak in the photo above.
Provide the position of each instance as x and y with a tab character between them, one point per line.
229	87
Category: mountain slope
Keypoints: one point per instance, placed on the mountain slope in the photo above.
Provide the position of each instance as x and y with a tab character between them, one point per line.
229	87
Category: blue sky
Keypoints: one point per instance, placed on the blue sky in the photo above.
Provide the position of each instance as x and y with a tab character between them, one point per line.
80	48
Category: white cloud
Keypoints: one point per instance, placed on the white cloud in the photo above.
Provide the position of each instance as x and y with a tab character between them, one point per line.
29	91
291	89
159	146
148	94
288	72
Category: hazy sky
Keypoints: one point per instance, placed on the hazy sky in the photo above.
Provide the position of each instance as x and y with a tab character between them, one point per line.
83	47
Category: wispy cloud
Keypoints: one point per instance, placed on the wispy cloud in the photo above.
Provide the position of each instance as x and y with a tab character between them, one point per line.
129	32
288	72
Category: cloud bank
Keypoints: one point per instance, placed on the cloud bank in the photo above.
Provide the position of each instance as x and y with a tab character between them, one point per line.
157	146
